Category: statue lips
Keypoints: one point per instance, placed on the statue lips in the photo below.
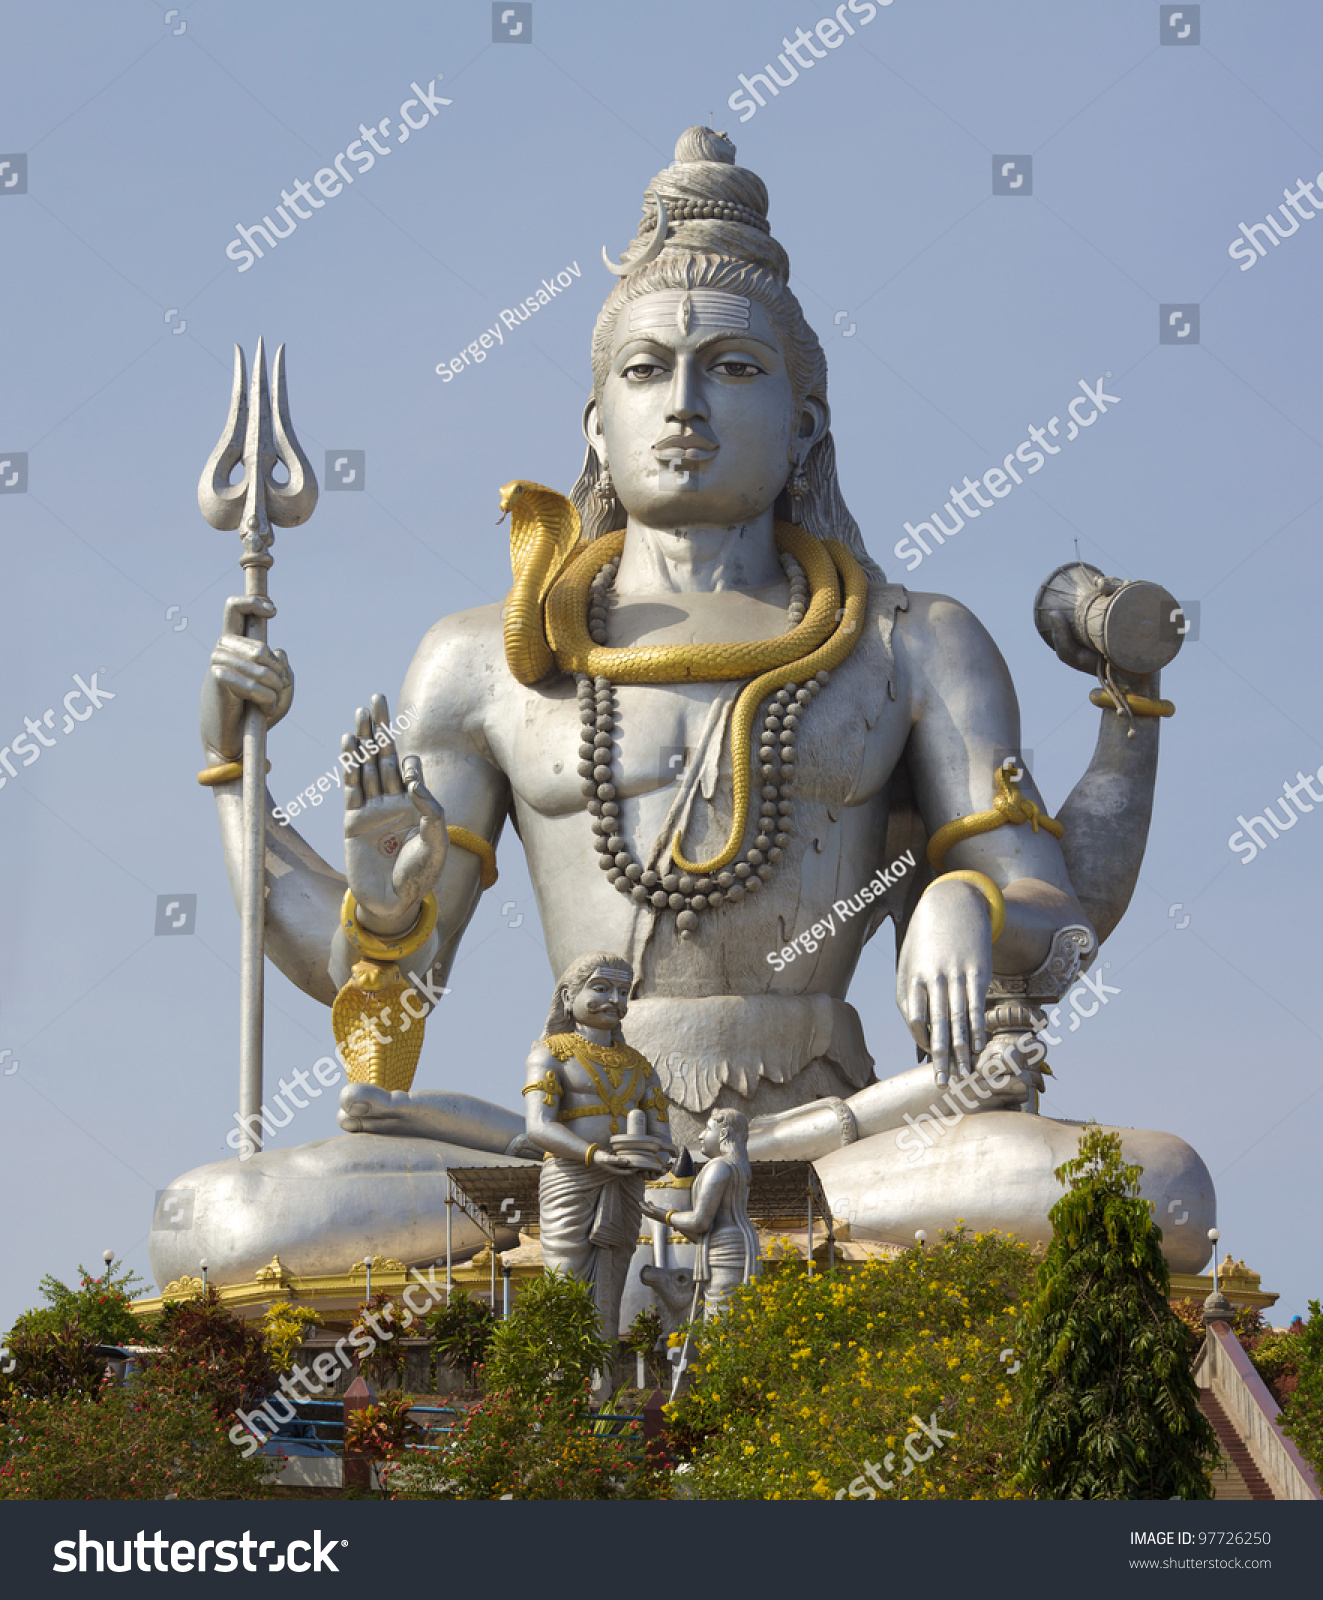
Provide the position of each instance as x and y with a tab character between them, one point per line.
677	447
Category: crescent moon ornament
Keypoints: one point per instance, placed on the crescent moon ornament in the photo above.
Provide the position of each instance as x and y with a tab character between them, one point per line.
651	253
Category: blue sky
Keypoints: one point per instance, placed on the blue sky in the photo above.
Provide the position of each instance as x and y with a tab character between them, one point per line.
953	318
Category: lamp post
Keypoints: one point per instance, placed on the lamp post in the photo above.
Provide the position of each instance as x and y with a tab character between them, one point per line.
921	1238
367	1278
203	1265
1214	1235
108	1257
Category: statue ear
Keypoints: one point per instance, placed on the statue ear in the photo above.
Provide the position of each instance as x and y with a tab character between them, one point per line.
592	428
814	421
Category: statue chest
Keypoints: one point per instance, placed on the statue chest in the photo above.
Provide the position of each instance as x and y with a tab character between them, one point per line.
846	743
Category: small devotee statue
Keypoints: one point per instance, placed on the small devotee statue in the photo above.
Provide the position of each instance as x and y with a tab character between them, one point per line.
718	1215
582	1083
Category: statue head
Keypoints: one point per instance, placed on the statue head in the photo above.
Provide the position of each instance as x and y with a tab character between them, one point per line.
592	992
727	1134
716	283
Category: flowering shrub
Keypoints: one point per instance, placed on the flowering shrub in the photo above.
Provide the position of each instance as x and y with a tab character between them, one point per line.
52	1360
212	1352
140	1441
805	1380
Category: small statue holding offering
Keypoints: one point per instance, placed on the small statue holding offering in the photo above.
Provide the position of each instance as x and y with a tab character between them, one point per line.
582	1083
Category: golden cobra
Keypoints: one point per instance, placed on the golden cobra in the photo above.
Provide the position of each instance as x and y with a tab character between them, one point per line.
546	628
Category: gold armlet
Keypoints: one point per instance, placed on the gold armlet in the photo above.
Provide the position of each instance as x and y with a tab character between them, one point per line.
669	1216
387	949
987	888
548	1086
1140	704
467	840
227	772
1008	805
588	1155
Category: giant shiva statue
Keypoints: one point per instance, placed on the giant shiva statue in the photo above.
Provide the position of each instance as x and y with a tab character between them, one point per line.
714	723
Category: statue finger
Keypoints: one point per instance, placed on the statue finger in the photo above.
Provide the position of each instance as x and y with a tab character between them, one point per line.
353	782
915	1011
243	685
429	808
363	728
976	996
388	759
239	607
959	1023
939	1030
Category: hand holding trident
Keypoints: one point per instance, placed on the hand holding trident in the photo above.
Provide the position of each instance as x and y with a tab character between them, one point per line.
257	505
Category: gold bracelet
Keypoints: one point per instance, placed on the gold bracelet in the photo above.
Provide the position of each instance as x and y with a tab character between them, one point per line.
387	949
1140	704
588	1155
987	888
227	772
669	1215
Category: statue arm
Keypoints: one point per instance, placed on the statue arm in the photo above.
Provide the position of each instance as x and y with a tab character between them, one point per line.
964	722
705	1200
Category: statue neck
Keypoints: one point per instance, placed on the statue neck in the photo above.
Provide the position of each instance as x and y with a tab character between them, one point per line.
705	559
599	1036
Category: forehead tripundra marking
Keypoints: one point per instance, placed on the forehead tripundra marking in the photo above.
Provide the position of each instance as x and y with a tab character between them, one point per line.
689	308
610	972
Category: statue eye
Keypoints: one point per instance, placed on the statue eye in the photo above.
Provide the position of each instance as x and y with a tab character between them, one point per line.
641	371
738	368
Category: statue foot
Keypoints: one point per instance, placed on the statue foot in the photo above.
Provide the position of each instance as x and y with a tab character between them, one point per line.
430	1114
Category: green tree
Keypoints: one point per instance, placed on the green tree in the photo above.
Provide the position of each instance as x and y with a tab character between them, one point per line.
462	1332
550	1343
1110	1406
100	1305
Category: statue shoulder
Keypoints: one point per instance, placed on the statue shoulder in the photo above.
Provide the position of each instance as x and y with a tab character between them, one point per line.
941	641
451	675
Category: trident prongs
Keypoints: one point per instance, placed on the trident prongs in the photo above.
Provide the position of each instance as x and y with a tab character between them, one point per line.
251	435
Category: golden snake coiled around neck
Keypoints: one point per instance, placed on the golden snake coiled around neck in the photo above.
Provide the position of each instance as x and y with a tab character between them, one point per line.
544	530
546	628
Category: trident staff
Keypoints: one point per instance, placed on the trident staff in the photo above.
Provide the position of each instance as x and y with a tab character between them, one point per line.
257	504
